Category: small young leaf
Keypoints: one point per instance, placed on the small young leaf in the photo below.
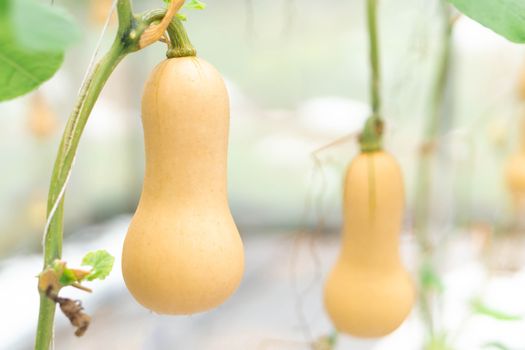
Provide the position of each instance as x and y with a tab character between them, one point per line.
478	307
67	278
101	262
192	4
505	17
195	5
182	16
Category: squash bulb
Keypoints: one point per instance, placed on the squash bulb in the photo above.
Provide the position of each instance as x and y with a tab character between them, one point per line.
42	122
182	253
369	293
515	181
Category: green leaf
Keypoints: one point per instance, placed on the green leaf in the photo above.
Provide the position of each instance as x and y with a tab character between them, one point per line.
332	339
438	342
191	5
68	277
195	5
182	16
101	262
495	345
22	71
33	35
505	17
478	307
42	27
430	279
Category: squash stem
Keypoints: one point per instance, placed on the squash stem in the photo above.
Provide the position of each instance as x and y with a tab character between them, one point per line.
180	44
370	139
127	40
375	92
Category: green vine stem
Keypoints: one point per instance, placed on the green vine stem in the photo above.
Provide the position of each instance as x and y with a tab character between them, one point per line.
126	41
180	44
370	139
421	206
63	164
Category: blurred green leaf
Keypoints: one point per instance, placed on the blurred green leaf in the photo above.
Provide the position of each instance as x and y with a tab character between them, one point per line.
192	4
505	17
182	16
495	345
22	71
101	263
438	342
33	36
195	5
42	27
430	279
478	307
332	338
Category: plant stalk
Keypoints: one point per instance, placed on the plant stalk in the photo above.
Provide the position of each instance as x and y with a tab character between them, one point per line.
63	164
371	138
375	92
88	95
423	184
180	44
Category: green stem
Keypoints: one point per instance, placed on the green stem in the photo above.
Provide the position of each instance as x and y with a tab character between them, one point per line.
63	164
180	44
371	138
127	40
423	182
375	92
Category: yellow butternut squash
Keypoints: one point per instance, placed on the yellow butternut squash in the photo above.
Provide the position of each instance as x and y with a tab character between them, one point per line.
42	122
515	178
369	293
182	253
515	174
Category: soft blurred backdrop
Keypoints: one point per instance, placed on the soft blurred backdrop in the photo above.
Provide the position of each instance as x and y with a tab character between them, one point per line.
297	73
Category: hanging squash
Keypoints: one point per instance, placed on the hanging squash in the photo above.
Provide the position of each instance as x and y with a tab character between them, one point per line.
369	293
99	11
42	121
182	253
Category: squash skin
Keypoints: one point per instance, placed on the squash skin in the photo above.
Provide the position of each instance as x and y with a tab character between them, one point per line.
369	293
515	181
515	173
182	253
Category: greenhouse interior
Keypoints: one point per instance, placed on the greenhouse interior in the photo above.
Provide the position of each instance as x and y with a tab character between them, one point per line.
262	175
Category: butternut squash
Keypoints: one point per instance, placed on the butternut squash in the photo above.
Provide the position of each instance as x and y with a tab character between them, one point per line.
515	174
369	293
42	122
515	178
182	253
100	10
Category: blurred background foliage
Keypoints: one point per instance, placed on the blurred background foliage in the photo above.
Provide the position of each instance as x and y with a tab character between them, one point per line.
298	79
